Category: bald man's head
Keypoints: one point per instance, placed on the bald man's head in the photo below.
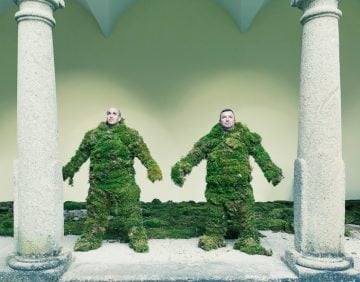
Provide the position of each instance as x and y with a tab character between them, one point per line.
113	116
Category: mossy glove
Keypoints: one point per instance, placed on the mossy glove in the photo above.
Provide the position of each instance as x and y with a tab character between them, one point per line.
178	172
277	179
177	175
273	174
154	173
67	174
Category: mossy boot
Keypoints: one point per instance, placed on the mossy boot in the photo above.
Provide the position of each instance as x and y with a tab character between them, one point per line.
211	242
84	244
138	240
251	247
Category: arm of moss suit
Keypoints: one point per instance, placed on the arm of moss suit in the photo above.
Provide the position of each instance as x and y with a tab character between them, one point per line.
138	147
193	158
81	155
271	171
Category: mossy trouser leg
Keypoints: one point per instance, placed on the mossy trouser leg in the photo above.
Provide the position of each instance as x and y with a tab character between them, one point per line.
240	210
216	223
98	208
128	199
215	226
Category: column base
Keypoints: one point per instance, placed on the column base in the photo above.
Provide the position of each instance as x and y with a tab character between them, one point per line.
321	268
37	269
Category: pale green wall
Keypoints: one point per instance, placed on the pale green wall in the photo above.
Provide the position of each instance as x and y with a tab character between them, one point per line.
171	66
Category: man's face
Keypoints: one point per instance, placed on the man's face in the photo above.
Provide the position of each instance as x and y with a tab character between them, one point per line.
227	120
113	116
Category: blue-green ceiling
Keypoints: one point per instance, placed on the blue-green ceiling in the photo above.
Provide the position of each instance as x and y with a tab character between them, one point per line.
107	12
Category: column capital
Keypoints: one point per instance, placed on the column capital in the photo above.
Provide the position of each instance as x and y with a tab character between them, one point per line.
317	8
54	4
40	10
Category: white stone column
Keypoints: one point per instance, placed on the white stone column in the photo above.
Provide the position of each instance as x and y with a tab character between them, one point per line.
319	199
38	212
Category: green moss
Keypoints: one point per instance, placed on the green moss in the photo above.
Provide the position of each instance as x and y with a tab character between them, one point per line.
347	232
229	195
251	246
184	220
72	227
70	205
352	212
155	223
112	150
6	224
209	243
277	224
138	239
275	216
84	244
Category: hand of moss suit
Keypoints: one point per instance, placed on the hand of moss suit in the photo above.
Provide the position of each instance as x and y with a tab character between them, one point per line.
177	175
154	173
178	172
67	174
276	180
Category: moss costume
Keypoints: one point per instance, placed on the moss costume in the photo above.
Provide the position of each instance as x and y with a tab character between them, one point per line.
112	149
228	191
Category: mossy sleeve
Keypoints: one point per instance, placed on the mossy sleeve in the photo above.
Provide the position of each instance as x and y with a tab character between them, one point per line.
139	149
183	167
81	155
271	171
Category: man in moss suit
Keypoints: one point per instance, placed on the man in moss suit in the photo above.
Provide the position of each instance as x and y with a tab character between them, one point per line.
112	147
228	191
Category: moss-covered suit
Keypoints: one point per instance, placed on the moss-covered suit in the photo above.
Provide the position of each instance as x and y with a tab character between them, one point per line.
112	149
228	190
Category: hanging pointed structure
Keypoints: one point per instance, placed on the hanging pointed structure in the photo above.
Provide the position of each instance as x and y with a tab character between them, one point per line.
106	12
243	11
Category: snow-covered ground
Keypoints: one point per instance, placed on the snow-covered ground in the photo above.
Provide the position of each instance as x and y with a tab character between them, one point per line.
181	260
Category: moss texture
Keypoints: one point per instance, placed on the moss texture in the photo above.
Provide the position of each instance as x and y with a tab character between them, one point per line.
228	191
211	242
112	149
251	246
179	220
352	212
